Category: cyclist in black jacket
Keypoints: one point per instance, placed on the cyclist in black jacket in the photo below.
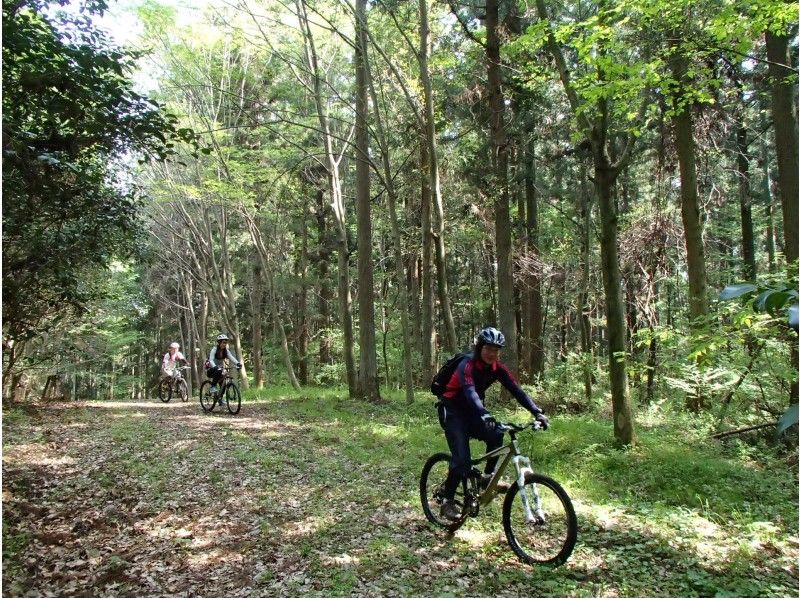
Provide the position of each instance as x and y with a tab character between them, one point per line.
463	415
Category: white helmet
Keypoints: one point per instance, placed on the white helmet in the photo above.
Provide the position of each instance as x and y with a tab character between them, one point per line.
174	346
222	337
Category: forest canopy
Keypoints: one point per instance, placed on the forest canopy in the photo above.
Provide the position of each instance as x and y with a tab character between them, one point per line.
382	179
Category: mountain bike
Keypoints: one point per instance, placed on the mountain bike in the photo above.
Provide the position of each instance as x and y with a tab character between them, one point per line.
228	393
174	385
538	517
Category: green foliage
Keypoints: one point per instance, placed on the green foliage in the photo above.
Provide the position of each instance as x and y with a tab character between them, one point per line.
71	121
769	297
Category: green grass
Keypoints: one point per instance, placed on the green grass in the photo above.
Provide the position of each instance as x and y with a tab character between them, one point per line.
676	501
330	488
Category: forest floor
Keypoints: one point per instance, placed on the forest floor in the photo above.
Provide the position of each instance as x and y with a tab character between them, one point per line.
311	494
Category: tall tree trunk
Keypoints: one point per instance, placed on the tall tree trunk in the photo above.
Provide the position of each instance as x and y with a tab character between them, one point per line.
690	204
193	351
264	260
229	300
615	311
596	132
397	249
10	354
303	333
585	211
784	117
505	269
368	361
534	295
745	209
428	336
325	290
256	299
337	202
766	192
433	162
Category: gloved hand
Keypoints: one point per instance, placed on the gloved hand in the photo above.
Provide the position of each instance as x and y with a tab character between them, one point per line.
238	366
489	421
542	419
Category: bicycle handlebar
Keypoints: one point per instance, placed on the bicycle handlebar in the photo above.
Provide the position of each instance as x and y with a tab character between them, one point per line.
506	426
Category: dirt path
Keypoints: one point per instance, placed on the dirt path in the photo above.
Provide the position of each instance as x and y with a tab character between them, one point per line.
115	499
127	498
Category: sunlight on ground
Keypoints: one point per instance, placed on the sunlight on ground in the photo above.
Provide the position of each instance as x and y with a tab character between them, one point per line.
342	560
126	405
606	516
713	543
476	538
387	431
34	454
302	528
185	444
126	415
207	422
204	537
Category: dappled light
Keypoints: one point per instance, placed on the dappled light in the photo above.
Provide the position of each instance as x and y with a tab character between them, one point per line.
278	275
279	501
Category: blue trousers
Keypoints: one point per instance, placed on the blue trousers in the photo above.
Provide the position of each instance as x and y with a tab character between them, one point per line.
459	427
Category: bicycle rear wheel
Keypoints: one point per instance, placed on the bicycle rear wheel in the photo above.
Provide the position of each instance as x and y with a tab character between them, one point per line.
431	492
207	402
165	390
233	398
551	536
182	390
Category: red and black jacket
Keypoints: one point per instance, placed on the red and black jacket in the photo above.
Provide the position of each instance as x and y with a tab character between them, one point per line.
466	390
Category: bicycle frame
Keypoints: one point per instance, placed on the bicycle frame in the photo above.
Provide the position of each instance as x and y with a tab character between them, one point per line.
522	465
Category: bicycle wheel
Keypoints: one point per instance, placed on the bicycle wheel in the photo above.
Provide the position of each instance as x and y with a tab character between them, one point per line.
431	492
182	390
550	537
207	402
233	398
165	390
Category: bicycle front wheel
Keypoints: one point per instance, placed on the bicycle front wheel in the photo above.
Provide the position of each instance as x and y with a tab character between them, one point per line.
165	391
206	400
233	398
546	532
182	390
431	492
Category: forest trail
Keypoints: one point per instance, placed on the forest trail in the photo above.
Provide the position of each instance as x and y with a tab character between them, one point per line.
293	497
124	498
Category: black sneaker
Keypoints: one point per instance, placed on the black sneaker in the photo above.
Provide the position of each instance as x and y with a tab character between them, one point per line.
502	486
450	510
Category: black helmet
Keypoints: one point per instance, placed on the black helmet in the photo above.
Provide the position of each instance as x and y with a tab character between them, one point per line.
491	336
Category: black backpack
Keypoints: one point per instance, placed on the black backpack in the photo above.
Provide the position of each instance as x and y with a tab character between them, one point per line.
442	377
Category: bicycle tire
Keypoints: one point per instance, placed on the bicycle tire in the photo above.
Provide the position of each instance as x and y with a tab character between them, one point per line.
207	402
165	391
182	389
431	486
233	398
547	541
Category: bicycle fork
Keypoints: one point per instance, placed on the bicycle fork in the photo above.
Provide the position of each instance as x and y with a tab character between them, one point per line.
535	514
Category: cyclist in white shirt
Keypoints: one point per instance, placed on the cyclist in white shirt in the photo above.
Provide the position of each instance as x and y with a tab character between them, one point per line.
169	363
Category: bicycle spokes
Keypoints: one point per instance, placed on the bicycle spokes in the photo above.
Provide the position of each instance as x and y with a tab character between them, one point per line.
539	521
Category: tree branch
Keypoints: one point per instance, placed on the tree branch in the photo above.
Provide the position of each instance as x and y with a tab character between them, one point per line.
464	26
